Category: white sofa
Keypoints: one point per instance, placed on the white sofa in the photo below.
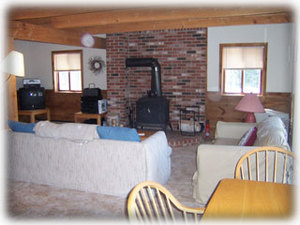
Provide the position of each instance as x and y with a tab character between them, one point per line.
218	161
80	160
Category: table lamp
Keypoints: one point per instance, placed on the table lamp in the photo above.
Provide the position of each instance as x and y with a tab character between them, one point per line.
250	103
13	64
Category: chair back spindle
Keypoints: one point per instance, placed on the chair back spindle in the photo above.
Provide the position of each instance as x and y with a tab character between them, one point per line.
267	163
150	201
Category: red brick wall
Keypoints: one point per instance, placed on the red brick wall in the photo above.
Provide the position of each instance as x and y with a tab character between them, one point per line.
117	91
182	57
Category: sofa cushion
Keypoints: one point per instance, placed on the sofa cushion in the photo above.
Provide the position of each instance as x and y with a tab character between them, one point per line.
232	129
21	127
118	133
249	137
271	131
72	131
269	113
226	141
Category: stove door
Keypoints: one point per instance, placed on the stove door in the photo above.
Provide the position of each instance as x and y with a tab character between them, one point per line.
152	112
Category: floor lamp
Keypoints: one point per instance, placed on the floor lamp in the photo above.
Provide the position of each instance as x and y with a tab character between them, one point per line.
13	64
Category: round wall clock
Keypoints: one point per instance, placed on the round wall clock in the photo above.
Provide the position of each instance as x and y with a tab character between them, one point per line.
96	64
87	40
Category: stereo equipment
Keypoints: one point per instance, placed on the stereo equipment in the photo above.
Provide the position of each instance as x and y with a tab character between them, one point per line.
92	92
91	101
102	106
28	83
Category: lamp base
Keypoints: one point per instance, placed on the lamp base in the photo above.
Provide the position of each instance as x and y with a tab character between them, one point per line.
250	118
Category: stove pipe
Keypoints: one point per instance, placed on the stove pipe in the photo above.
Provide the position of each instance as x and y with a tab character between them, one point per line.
156	76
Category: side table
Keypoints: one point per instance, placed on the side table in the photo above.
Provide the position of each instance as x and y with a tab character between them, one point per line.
34	112
79	116
144	134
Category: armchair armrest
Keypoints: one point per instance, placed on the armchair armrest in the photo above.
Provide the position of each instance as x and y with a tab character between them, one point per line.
233	130
214	163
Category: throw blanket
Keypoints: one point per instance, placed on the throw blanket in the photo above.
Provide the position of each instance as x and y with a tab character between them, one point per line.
73	131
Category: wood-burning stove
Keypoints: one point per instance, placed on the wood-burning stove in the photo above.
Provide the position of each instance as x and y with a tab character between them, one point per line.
151	110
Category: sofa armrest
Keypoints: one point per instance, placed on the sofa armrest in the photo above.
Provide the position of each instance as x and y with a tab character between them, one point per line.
233	130
158	157
214	163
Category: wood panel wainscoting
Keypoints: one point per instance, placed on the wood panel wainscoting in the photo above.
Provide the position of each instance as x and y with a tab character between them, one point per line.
220	107
63	105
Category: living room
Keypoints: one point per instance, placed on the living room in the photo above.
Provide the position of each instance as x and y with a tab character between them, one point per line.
197	90
189	57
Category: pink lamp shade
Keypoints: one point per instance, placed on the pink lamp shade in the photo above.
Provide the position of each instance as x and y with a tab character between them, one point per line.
250	103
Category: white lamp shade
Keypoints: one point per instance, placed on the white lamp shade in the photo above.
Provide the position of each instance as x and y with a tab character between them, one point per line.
14	64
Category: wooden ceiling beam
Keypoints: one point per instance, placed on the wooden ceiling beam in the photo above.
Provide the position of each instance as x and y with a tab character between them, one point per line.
189	23
36	12
32	32
127	16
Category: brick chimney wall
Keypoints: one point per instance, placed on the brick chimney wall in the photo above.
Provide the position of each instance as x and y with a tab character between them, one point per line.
182	54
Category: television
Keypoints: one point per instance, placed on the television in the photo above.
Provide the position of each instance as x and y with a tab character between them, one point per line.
31	98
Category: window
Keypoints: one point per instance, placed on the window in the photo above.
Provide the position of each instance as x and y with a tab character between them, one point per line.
243	68
67	71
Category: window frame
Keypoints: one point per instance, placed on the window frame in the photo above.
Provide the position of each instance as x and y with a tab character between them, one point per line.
263	70
55	73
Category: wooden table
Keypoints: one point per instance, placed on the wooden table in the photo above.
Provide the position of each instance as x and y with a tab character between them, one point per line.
34	112
240	198
145	133
79	116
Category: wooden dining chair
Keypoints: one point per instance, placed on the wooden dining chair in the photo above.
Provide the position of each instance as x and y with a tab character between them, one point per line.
267	163
151	202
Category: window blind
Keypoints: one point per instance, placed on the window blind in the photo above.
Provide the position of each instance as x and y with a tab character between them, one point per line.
67	61
242	57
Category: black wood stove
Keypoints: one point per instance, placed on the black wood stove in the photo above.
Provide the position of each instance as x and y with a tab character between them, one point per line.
151	110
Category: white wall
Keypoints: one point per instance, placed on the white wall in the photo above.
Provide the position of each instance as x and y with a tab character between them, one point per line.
37	57
280	39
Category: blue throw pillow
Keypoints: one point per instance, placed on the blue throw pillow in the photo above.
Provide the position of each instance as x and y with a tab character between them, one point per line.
118	133
21	127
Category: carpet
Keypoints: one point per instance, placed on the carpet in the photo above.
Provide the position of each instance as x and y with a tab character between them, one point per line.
33	201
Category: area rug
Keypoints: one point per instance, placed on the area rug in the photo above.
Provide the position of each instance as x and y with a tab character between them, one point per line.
32	201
